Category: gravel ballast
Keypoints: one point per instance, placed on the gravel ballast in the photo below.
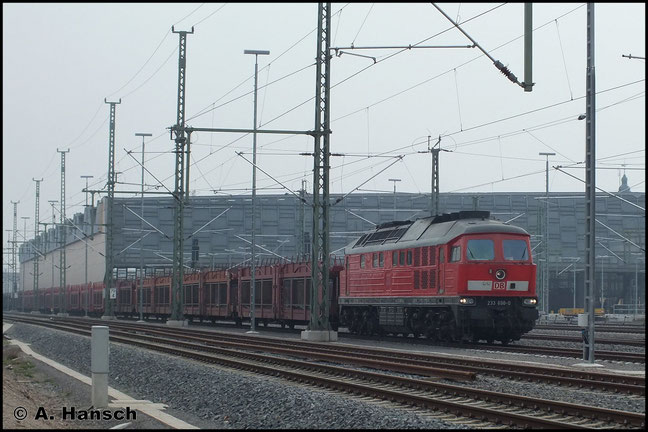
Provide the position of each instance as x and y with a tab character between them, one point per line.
209	397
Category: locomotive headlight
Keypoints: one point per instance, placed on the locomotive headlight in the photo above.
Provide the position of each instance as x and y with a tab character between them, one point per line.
530	302
467	301
500	274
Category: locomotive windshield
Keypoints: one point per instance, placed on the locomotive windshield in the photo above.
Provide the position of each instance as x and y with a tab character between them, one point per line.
480	250
515	250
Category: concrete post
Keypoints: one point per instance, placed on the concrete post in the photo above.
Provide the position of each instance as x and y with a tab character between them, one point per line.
99	353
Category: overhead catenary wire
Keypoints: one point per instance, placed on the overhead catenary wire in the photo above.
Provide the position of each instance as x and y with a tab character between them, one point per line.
153	74
547	145
101	105
499	141
458	101
208	16
265	93
563	58
206	109
166	34
363	23
188	15
560	168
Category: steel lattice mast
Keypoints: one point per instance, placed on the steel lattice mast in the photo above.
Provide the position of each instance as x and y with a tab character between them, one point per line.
108	276
36	243
178	193
590	184
14	288
62	257
321	205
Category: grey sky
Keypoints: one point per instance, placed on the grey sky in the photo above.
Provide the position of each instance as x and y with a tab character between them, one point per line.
61	60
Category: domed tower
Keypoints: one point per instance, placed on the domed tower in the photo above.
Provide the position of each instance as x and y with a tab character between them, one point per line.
624	188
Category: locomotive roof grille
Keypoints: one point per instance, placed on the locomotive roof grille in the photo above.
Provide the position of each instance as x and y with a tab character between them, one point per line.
385	236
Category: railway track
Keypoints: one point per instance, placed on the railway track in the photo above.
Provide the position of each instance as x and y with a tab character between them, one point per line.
402	361
561	338
405	362
575	378
631	329
569	352
540	350
481	406
598	340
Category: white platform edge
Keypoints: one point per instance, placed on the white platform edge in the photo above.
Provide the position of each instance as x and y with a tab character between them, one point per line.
121	400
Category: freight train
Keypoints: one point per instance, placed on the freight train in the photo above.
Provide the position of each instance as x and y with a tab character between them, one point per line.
453	277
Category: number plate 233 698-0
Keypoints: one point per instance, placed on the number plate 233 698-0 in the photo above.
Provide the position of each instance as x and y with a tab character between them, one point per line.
498	303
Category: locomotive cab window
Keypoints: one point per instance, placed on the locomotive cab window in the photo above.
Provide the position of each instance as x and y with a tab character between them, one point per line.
480	250
515	250
455	254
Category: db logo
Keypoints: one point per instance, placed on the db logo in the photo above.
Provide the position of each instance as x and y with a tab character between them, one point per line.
499	285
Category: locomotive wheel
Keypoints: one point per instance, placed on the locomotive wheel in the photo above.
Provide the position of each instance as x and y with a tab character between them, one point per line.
505	341
490	340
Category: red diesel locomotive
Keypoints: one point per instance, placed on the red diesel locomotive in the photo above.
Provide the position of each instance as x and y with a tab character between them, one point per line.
458	276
